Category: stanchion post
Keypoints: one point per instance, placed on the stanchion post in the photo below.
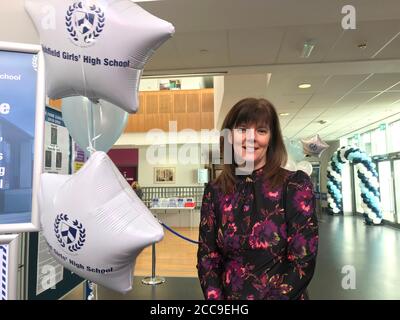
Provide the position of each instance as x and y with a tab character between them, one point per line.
89	290
153	280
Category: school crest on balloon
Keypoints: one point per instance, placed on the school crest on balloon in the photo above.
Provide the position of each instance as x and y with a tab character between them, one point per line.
97	49
314	146
95	224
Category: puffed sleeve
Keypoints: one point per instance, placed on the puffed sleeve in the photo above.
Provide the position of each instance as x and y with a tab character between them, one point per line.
302	237
209	261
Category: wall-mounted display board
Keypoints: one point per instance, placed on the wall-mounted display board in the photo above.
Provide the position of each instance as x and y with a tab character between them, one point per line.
22	104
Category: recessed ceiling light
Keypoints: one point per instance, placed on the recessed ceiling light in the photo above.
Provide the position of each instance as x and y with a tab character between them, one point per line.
362	45
284	114
304	85
184	75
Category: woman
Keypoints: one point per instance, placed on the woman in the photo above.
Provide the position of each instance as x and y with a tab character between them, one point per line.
258	229
136	187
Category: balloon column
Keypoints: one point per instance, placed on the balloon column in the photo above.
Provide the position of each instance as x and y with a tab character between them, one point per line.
369	184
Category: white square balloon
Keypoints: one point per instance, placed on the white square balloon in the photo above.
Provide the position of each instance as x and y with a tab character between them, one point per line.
95	224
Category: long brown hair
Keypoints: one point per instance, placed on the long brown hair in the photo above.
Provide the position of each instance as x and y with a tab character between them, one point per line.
260	112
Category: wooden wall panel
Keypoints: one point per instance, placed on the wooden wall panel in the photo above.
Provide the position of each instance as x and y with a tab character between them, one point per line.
130	125
151	121
136	121
207	102
179	102
140	123
152	103
192	109
193	121
165	102
142	104
207	120
182	120
193	102
163	121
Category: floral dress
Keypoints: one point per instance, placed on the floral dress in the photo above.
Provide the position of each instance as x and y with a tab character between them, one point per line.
258	242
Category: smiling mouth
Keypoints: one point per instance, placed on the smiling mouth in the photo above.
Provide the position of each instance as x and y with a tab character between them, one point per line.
250	148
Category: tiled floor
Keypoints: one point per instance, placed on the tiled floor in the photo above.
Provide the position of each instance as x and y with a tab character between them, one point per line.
373	252
346	245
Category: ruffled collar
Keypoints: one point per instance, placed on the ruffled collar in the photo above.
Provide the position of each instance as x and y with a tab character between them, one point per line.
254	175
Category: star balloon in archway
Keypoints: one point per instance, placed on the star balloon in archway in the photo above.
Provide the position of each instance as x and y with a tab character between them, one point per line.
314	146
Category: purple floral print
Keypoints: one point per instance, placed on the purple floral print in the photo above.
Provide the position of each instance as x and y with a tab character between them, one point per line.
253	246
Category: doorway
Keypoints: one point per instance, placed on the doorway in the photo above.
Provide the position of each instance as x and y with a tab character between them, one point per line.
388	167
129	173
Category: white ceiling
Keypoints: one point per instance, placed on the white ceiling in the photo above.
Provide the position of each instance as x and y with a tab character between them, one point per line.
251	39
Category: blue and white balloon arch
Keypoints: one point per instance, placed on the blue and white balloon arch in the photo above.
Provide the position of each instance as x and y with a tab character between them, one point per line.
369	184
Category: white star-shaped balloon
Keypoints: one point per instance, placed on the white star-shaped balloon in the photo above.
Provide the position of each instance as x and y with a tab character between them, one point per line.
96	49
94	223
314	146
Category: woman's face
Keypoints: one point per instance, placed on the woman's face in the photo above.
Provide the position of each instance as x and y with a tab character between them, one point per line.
250	144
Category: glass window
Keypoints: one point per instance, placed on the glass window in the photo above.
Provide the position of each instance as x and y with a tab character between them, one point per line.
366	143
350	141
396	165
357	192
394	133
354	141
346	188
378	142
386	190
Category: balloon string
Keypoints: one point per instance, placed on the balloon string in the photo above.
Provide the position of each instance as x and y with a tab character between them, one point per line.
89	117
96	137
177	233
90	148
